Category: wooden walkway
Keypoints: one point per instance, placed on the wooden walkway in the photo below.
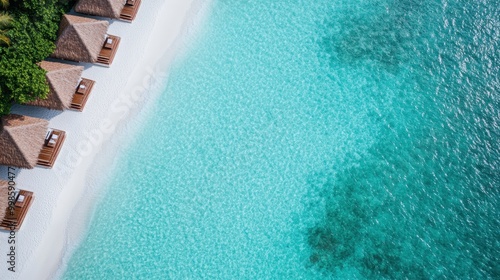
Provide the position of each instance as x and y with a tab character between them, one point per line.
108	51
130	10
51	148
82	94
13	221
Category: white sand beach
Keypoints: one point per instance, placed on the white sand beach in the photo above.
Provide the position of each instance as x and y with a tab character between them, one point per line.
64	195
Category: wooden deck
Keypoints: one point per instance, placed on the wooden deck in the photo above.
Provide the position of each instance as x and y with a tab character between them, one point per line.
130	10
14	220
82	94
51	150
108	51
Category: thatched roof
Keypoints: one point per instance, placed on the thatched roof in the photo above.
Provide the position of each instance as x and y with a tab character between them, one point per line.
4	198
80	39
62	79
103	8
21	140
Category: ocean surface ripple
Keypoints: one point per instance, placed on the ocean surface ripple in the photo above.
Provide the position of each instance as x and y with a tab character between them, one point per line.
315	140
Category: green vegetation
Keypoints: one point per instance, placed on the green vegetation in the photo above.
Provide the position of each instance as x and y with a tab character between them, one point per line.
28	29
5	23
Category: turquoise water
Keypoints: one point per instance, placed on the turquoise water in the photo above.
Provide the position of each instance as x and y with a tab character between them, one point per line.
315	140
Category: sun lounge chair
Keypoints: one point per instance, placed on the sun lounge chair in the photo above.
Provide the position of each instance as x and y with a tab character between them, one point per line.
51	148
82	94
108	51
109	43
130	10
13	220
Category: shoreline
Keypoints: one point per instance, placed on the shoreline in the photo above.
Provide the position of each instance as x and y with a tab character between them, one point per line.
65	196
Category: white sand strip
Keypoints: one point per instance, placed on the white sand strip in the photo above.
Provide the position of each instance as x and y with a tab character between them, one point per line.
64	194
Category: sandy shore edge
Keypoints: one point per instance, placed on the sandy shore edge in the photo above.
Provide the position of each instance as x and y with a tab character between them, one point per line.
66	194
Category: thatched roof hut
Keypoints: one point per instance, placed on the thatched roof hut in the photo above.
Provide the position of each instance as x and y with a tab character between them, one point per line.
80	39
103	8
4	198
63	80
21	140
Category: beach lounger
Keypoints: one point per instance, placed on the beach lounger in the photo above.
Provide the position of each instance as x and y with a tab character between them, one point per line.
50	150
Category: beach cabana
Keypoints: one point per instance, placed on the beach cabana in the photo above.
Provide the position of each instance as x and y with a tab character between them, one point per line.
85	40
67	89
117	9
12	216
26	142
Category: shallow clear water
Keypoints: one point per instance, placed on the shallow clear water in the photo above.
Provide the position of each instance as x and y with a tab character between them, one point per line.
300	140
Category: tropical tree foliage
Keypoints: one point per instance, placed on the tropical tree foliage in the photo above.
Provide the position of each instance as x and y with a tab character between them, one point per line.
4	3
33	30
5	23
